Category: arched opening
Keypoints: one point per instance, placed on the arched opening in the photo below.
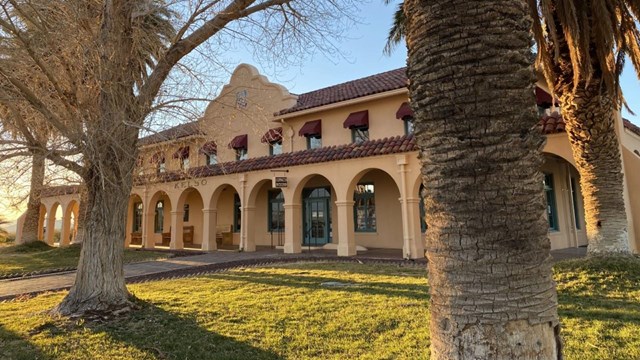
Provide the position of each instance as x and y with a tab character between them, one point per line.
135	218
377	211
159	224
69	223
565	208
190	223
54	224
267	203
319	213
226	200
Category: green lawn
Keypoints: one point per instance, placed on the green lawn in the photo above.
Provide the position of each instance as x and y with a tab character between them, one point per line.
39	256
284	312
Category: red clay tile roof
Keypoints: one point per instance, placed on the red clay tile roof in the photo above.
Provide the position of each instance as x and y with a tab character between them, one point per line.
386	81
393	145
551	124
60	190
176	132
631	126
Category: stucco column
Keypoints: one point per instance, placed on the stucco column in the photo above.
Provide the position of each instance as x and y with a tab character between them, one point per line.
416	244
41	225
243	203
293	228
176	231
346	229
51	226
148	231
66	229
249	217
401	161
209	225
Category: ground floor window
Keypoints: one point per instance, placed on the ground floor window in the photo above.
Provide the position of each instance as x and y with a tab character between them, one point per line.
276	211
237	214
158	222
552	210
364	208
423	222
137	217
185	214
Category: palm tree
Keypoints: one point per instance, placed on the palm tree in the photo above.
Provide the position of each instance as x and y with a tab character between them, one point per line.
581	49
472	91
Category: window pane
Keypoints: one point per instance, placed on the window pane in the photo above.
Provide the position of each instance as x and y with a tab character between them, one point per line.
408	125
275	148
360	135
314	142
212	159
552	211
364	207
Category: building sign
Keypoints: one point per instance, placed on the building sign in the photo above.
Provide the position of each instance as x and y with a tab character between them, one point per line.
280	182
241	99
190	183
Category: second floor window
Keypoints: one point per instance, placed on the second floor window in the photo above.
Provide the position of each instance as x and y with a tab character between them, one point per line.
184	163
359	134
240	145
408	125
212	159
241	154
161	167
275	148
314	142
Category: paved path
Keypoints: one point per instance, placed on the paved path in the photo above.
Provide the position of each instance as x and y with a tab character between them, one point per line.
11	288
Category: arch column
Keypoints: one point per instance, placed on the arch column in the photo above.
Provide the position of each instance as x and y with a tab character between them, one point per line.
51	224
293	228
66	226
43	213
346	228
148	242
176	231
248	217
209	226
416	242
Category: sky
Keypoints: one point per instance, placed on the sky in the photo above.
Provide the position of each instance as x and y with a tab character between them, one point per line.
363	56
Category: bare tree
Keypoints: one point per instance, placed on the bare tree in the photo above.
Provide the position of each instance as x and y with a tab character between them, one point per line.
102	84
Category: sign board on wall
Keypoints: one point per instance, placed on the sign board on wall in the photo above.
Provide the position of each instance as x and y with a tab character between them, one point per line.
280	182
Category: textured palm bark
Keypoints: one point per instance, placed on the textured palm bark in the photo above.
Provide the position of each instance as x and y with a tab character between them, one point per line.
32	215
472	88
590	123
99	285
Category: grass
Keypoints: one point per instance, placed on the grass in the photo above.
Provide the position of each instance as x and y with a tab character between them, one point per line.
284	312
38	256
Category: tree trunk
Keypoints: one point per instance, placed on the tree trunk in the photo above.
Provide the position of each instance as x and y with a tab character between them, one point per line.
590	120
32	216
472	89
100	284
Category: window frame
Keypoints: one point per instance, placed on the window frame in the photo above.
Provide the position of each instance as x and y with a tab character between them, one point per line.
552	205
209	157
242	154
409	120
237	213
362	131
371	224
161	167
137	217
185	213
272	147
158	218
275	197
574	198
310	142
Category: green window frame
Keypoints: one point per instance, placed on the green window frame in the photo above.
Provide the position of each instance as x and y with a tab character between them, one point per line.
552	209
237	213
364	208
158	220
276	211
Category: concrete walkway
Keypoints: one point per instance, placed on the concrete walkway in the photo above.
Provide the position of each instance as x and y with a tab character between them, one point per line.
11	288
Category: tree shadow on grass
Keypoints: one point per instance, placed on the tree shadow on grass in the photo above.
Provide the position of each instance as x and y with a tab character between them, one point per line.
315	282
15	347
165	335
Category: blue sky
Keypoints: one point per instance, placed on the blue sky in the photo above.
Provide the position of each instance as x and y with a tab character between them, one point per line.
363	57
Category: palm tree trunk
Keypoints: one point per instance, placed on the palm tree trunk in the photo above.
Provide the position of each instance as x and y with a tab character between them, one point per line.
472	88
590	120
32	215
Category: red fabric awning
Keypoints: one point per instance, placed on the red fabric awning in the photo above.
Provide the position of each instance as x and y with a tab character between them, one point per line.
209	148
404	111
239	142
311	128
182	153
357	119
543	98
273	135
157	157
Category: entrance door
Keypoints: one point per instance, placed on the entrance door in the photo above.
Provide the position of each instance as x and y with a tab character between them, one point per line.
317	217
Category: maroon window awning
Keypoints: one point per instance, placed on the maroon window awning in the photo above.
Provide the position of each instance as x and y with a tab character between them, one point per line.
543	98
182	153
272	136
404	111
239	142
357	119
311	128
157	158
209	148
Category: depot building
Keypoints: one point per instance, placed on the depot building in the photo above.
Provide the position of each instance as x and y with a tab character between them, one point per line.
335	168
